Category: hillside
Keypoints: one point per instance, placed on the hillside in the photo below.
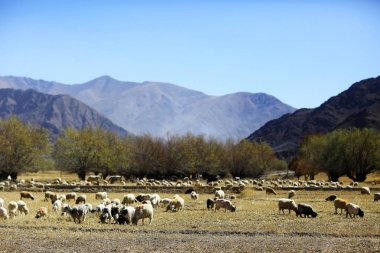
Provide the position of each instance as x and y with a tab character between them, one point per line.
162	108
52	112
358	106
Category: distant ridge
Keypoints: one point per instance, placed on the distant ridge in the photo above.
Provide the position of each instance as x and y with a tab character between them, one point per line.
162	108
55	113
358	106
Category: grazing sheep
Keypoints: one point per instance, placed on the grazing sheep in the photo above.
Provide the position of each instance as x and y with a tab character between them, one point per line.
291	194
270	190
13	187
115	212
101	195
142	197
210	204
22	207
106	201
26	195
81	199
95	178
341	204
129	199
3	213
1	202
376	196
165	202
352	209
12	208
71	196
286	204
331	197
57	205
224	203
48	195
219	194
54	197
176	204
194	195
126	215
306	210
116	202
42	211
365	190
141	212
106	215
78	213
155	200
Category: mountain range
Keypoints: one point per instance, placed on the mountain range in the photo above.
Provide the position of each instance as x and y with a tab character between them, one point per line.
162	108
55	113
358	106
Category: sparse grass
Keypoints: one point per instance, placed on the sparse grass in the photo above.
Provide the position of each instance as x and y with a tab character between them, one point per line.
256	226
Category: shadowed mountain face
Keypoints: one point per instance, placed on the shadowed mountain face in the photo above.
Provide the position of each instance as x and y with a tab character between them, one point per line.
162	108
359	106
55	113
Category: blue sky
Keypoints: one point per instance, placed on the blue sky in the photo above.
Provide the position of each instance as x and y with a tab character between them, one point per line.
302	52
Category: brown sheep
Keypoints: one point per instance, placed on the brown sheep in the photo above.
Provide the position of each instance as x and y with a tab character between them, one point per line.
341	204
26	195
71	195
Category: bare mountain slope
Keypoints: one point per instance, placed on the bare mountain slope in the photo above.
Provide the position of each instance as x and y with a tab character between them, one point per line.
161	108
55	113
359	106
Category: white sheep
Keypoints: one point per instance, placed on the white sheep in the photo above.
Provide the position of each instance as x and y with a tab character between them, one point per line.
286	204
12	208
141	212
194	195
352	209
129	199
176	204
116	202
106	201
57	206
1	202
155	200
22	207
101	195
3	213
219	194
291	194
78	213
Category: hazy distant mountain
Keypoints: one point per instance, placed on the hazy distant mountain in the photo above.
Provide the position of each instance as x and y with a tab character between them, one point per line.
55	113
161	108
359	106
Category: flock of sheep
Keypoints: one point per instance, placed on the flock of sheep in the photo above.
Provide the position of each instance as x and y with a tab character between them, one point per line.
133	208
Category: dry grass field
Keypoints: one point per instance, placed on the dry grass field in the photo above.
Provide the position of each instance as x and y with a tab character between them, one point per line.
256	226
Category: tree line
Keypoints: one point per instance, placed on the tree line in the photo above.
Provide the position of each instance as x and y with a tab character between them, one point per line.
344	152
351	152
24	147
